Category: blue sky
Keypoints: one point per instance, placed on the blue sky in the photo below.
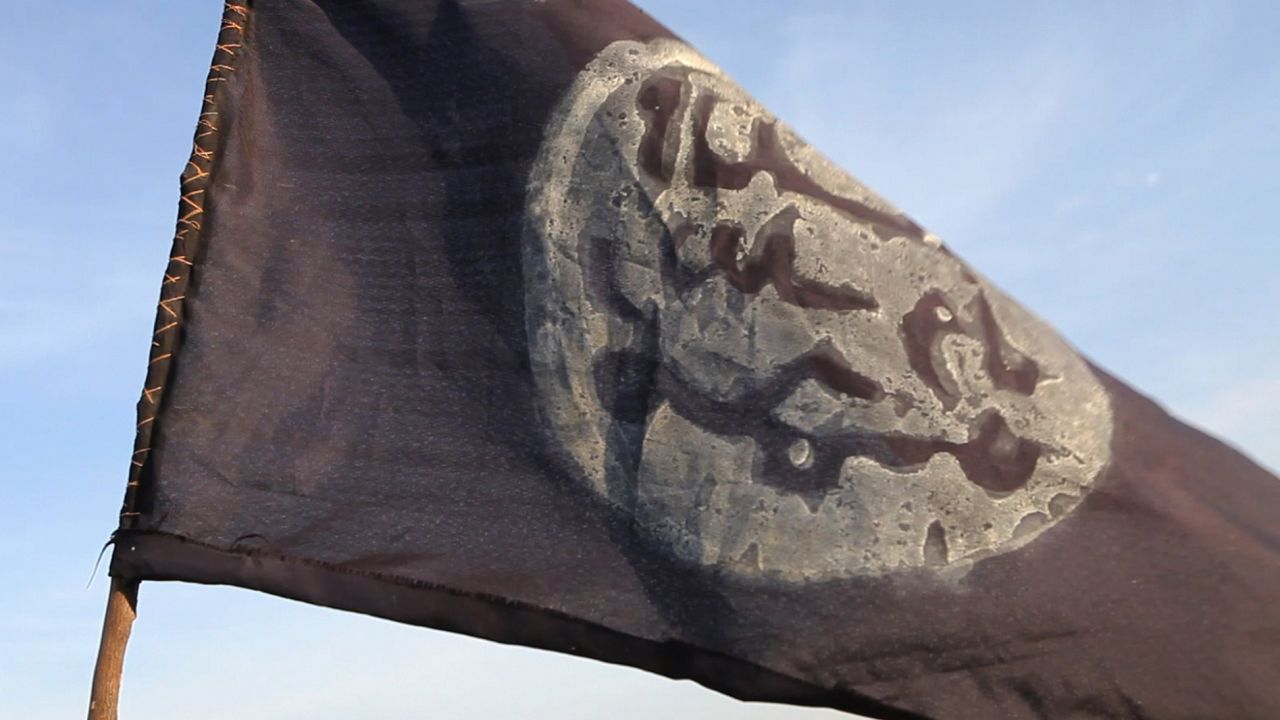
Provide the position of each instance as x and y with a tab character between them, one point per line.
1113	166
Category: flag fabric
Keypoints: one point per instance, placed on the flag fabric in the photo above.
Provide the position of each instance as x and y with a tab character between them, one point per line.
522	320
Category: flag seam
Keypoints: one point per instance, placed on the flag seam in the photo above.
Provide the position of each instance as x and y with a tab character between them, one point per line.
139	557
194	180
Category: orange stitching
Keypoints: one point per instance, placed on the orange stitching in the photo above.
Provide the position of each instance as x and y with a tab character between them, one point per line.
165	305
199	172
193	184
195	211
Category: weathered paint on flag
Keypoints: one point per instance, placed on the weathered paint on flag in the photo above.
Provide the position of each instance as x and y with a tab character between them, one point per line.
521	319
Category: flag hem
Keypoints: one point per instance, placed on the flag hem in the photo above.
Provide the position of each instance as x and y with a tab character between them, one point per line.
158	556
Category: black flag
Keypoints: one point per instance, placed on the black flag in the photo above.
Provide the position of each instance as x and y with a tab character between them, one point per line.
520	319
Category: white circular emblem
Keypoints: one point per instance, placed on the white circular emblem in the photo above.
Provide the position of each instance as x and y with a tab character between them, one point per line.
768	366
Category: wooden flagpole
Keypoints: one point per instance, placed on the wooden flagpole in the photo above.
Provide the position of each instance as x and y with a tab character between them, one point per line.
122	603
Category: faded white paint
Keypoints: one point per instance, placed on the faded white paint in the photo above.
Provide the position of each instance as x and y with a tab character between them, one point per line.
700	491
